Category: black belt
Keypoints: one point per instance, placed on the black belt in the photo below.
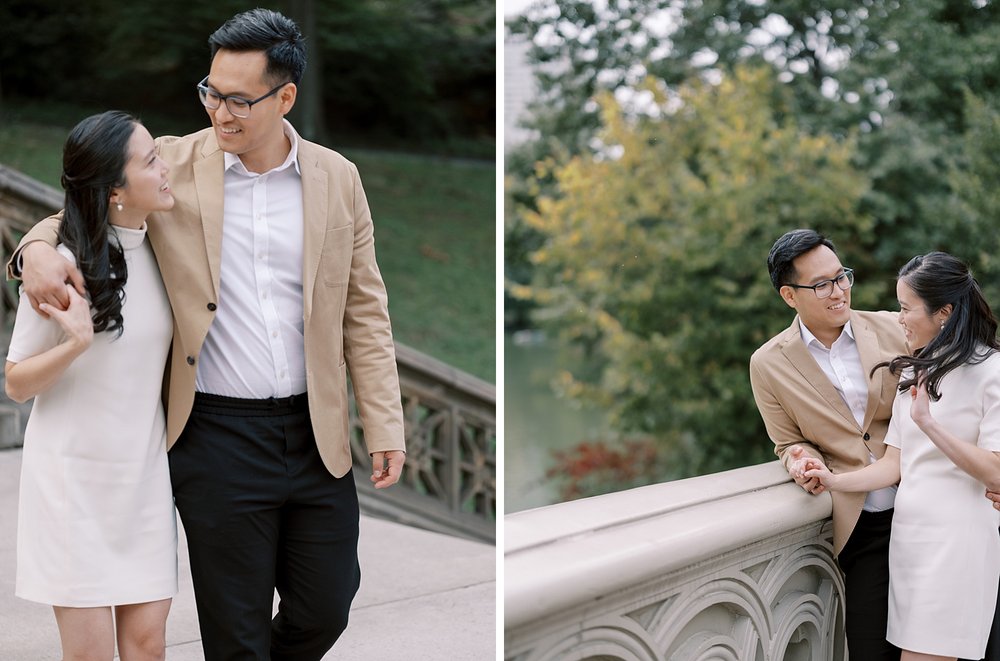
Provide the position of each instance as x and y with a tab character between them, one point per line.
221	404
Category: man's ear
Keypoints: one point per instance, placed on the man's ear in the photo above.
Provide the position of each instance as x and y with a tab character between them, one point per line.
788	295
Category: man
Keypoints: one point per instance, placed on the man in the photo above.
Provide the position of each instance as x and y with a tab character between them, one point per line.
269	264
813	387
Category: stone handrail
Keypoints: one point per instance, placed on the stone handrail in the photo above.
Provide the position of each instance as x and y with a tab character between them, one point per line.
737	566
449	483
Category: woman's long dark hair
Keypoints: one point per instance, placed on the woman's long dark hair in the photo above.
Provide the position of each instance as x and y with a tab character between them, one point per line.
968	337
94	160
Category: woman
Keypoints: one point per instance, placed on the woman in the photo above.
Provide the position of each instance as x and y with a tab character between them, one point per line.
944	552
96	527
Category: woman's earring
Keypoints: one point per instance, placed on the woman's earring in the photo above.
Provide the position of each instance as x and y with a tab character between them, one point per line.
121	208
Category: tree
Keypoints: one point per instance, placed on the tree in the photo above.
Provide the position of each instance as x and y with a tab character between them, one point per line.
654	249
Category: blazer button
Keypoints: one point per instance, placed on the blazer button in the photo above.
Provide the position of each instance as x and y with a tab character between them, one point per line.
868	436
190	360
211	306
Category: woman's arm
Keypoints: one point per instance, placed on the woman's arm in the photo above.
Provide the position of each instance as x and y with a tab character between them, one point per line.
878	475
980	463
31	376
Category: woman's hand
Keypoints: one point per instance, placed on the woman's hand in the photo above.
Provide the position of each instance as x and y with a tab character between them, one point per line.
920	405
815	469
75	319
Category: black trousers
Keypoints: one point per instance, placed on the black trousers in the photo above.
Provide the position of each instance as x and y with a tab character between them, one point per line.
865	563
261	512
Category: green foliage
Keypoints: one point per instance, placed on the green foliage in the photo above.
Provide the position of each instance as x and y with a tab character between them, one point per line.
654	257
903	96
420	73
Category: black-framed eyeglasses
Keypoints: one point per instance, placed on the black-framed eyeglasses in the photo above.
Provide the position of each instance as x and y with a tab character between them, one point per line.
237	106
825	289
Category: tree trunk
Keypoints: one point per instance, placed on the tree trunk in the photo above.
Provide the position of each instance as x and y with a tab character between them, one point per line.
307	115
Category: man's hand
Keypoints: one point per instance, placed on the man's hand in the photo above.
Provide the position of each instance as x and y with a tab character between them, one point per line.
45	274
797	467
387	467
75	320
995	497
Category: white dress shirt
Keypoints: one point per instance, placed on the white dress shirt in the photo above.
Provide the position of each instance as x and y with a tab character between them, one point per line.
842	365
255	347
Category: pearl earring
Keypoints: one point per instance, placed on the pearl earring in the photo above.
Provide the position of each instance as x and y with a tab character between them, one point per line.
121	208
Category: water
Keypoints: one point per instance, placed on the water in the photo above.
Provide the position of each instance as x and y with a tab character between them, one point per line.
536	422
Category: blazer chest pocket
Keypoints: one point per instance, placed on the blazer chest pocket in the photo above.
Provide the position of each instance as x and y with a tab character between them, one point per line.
335	262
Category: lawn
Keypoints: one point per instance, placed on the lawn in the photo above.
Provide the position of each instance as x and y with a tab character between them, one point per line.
434	234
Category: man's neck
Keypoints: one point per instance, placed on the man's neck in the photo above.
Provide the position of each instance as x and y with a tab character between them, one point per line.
267	158
827	336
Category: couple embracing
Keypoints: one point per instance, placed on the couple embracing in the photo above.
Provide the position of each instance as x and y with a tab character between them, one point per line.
898	416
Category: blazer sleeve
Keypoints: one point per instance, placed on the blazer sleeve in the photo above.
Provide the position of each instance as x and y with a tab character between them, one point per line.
46	230
781	427
368	347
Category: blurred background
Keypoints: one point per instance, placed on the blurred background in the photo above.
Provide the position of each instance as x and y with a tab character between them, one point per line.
654	152
405	89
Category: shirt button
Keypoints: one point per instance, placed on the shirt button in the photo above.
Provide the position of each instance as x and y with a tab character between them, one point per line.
190	360
867	436
211	306
274	333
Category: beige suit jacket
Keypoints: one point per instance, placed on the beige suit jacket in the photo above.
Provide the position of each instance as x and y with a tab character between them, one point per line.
345	310
801	406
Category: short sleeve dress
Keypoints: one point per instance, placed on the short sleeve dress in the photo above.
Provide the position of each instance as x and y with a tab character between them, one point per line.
96	523
944	551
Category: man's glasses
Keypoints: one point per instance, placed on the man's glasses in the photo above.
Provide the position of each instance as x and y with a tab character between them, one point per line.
825	289
237	106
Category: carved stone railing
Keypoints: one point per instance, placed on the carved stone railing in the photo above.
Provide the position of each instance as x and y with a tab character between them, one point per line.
23	202
735	566
449	482
450	474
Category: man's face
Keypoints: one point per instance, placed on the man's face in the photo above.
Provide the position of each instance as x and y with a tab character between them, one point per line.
820	315
242	74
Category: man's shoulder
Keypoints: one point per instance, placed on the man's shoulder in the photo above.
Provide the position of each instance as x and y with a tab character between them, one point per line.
884	323
773	347
314	153
174	146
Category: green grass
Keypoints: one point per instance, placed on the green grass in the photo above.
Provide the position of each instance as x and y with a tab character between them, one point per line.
434	235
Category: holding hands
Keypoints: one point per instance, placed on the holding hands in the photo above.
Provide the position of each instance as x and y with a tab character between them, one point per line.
799	467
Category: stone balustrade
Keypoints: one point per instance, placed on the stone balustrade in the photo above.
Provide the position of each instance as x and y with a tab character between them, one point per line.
734	566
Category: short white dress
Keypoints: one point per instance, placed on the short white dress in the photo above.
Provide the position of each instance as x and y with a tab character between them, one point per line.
944	551
96	524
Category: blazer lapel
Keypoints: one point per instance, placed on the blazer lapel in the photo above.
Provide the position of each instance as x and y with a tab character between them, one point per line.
868	348
208	178
798	355
315	207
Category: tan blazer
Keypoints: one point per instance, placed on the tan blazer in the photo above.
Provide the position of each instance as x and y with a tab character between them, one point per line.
345	310
801	406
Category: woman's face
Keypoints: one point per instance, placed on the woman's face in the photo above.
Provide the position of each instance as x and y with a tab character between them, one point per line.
919	326
146	188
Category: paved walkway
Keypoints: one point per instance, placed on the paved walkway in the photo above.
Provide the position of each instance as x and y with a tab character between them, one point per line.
424	596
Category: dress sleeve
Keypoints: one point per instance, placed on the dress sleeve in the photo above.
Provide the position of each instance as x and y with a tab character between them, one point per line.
33	334
893	435
989	428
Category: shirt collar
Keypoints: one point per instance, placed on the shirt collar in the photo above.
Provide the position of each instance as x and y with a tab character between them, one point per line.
233	161
808	338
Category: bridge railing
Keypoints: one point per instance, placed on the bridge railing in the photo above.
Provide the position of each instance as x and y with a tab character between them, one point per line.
735	566
449	483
